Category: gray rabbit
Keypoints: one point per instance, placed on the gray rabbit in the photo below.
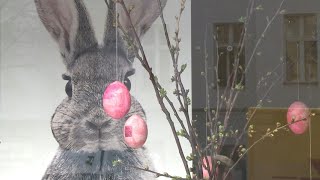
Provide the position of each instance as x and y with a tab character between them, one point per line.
89	140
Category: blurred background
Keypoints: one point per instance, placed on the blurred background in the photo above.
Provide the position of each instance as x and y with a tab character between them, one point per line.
281	57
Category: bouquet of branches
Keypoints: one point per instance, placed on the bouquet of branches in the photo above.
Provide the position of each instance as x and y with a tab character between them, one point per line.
206	160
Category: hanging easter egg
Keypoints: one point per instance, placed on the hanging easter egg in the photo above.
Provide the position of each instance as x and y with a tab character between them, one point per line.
135	132
116	100
299	112
205	172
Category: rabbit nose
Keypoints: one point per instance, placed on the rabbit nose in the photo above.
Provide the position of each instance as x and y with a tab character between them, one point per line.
97	125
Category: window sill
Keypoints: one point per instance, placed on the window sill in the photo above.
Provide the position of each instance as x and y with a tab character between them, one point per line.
221	88
315	83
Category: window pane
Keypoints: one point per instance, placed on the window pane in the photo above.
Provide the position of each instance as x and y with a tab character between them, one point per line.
292	61
227	50
292	26
222	68
231	66
222	31
241	66
310	57
242	61
310	26
237	31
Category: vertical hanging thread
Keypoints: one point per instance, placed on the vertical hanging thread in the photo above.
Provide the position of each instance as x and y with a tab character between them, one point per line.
298	81
310	143
298	72
310	150
208	110
116	19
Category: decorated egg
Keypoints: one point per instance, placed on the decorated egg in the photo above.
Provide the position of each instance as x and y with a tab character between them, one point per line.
298	111
205	172
135	132
116	100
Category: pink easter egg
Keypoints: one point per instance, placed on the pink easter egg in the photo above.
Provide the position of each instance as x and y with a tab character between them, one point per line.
116	100
205	172
298	111
135	132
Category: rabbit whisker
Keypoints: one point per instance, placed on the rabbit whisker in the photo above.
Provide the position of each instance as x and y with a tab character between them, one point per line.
69	145
62	134
69	111
86	91
76	100
59	124
89	94
65	120
60	139
61	130
66	115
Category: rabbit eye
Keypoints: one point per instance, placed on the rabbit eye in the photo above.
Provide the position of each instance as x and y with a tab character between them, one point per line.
66	77
68	88
127	82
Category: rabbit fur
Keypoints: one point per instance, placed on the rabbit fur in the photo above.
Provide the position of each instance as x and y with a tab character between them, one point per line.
90	140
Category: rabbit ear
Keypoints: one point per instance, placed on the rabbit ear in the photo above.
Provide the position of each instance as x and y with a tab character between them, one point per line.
69	24
110	31
110	35
143	14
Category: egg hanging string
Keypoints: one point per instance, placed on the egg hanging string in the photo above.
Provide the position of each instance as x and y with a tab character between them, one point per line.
310	148
310	131
310	138
310	151
298	76
116	23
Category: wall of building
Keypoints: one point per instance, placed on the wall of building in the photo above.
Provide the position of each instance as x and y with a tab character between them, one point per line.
270	50
204	15
269	57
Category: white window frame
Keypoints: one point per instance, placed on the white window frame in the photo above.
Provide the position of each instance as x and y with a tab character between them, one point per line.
226	45
301	39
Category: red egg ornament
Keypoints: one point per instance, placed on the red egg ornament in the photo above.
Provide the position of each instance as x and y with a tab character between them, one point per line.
204	170
116	100
135	132
298	111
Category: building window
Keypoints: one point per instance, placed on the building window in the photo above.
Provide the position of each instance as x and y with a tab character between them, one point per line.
228	36
301	48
